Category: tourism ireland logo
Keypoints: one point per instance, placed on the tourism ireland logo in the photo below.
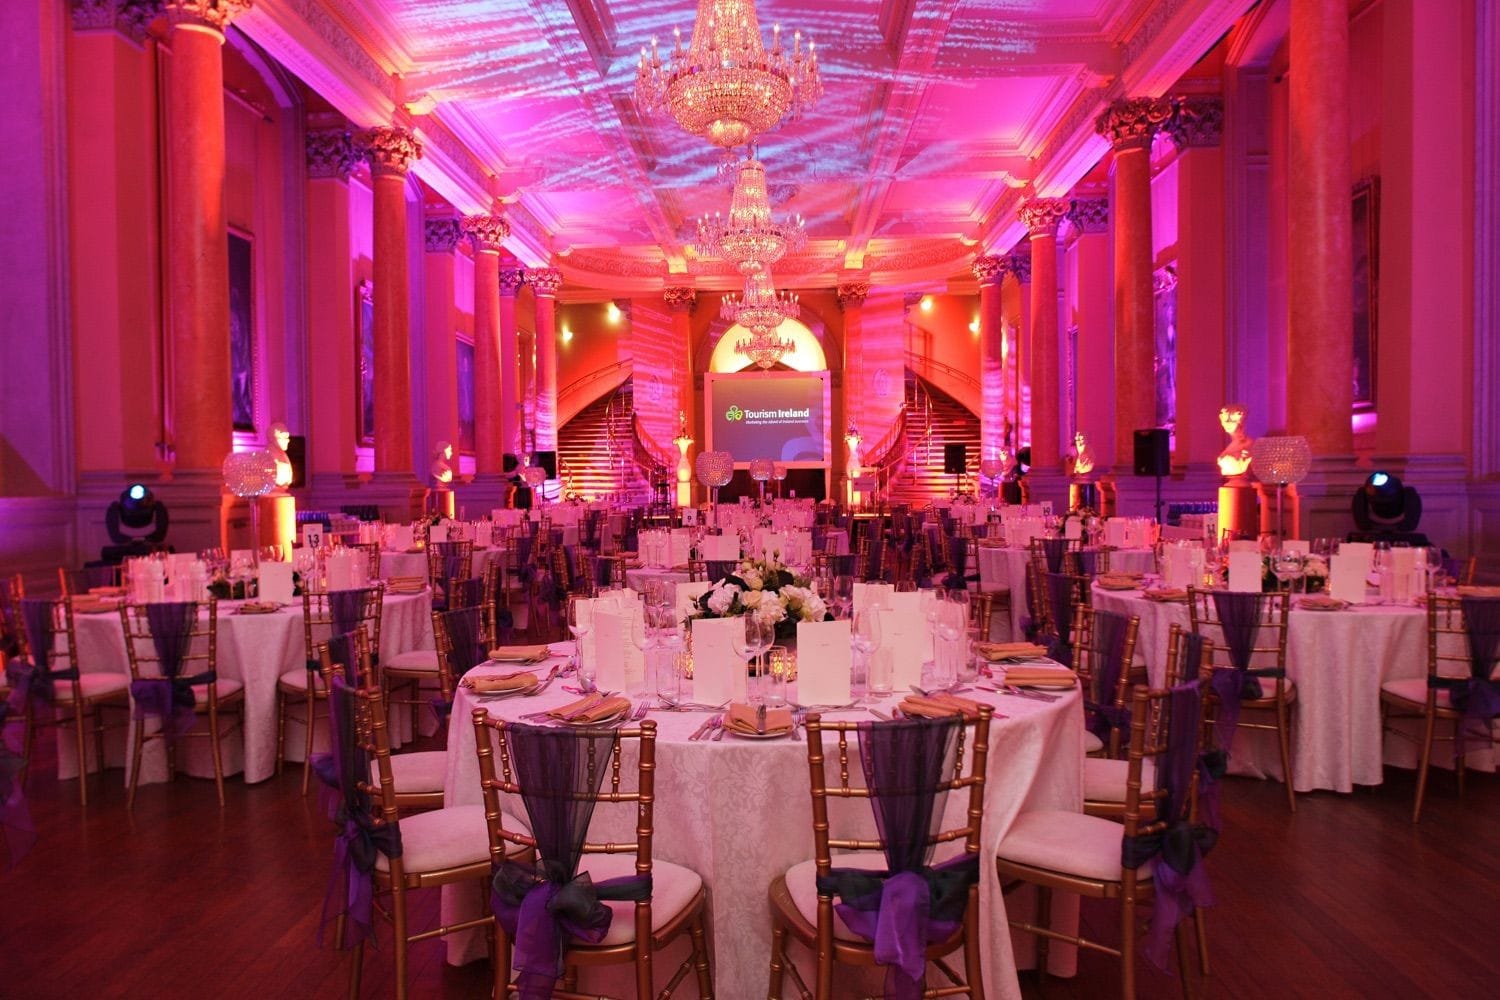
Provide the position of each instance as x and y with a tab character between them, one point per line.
734	413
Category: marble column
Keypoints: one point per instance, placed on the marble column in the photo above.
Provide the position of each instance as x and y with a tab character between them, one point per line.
487	234
989	271
545	281
436	343
510	281
1018	387
390	150
331	315
1041	217
1130	126
1320	279
680	301
197	235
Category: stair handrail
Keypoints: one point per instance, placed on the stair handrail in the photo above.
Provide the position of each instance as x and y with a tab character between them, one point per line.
915	362
651	447
594	376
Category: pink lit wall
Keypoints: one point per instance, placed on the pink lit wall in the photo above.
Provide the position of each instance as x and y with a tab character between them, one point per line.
1087	277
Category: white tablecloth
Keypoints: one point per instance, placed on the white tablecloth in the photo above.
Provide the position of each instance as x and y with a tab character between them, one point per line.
255	650
738	813
1338	660
415	563
1002	567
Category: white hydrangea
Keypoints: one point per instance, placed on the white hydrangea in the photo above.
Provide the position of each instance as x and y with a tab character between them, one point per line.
752	599
722	597
752	578
770	609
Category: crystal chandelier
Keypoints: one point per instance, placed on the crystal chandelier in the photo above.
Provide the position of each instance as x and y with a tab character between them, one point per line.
725	86
750	238
764	347
761	306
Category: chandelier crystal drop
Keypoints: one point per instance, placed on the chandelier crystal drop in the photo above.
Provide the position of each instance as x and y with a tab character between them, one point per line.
725	86
764	347
760	306
750	238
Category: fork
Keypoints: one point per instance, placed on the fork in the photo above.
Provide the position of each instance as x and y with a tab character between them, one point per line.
640	712
703	728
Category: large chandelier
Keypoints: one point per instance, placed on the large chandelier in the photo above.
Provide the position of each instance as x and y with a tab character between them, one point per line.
761	306
725	86
750	238
764	347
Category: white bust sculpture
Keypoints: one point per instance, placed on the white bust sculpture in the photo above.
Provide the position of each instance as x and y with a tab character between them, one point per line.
1234	460
442	463
1083	456
280	438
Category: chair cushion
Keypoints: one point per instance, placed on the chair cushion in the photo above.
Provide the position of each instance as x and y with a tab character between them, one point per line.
1268	700
94	686
423	771
802	886
1091	743
296	680
229	690
1414	689
1067	842
1104	779
443	838
673	887
413	661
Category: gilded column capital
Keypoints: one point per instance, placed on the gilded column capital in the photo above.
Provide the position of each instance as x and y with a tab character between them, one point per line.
1131	123
680	298
331	153
1196	121
1018	263
1090	215
511	280
988	269
215	14
441	235
545	281
390	149
1042	216
852	293
129	17
487	233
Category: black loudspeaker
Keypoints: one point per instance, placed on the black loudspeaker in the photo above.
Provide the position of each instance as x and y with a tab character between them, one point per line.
509	463
296	453
1153	452
955	461
548	461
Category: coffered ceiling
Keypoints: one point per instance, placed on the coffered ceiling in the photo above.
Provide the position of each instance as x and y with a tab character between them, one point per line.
938	119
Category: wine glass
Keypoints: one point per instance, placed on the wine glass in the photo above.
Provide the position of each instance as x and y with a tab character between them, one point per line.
581	623
1435	569
1286	565
864	636
952	625
843	595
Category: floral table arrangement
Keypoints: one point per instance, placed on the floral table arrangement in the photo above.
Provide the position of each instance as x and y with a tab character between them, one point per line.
769	590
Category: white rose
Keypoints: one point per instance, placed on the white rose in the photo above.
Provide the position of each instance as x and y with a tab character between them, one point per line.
752	578
722	597
752	599
770	610
814	610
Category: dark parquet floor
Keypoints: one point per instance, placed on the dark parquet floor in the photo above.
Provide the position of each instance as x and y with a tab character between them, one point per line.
178	899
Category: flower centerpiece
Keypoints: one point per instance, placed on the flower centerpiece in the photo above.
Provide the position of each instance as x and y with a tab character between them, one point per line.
769	590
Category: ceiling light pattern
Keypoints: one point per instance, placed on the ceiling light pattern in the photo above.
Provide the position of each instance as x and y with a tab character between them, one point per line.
725	86
750	238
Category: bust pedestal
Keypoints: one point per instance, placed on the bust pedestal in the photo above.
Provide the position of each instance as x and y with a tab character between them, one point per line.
441	501
1239	509
278	520
1082	493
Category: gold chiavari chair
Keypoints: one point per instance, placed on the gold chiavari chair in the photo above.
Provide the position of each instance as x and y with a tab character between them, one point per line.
214	697
372	558
1106	684
446	562
1430	698
303	686
446	846
982	615
674	899
1267	663
801	908
1067	547
1061	850
59	692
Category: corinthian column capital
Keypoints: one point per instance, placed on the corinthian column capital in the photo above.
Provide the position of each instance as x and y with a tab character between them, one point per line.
511	280
441	235
852	293
215	14
1131	123
390	149
331	153
988	269
1196	121
1042	216
679	298
545	281
1090	215
1018	263
487	233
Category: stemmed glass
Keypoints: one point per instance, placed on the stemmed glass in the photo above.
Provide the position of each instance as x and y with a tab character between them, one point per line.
952	625
1435	573
843	595
864	635
581	623
1286	565
751	640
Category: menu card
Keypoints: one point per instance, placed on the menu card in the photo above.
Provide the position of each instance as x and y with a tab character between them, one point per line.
680	548
1346	576
718	672
621	664
1073	528
903	638
1245	571
438	533
340	567
873	595
402	537
276	582
1365	551
721	546
823	663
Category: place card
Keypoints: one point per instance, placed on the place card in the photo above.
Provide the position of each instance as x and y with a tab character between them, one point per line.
903	636
437	533
1346	576
823	663
718	672
1245	571
312	535
1365	551
276	582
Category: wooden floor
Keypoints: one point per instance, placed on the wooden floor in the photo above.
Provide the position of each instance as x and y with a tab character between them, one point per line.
1346	899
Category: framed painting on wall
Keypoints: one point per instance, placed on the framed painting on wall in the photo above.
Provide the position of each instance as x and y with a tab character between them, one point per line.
364	364
465	359
1164	362
1365	218
241	331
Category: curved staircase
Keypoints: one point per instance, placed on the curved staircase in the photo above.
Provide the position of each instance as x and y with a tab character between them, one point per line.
600	452
933	419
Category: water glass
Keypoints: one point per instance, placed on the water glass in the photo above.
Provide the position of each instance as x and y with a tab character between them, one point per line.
768	687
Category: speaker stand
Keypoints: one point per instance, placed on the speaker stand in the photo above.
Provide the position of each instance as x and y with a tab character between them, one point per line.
1158	500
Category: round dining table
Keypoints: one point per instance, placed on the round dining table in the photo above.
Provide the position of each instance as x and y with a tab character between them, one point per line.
1003	567
738	812
254	649
1338	659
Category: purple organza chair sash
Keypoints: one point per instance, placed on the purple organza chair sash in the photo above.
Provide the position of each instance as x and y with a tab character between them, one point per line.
1108	661
1088	562
1053	551
1181	877
545	906
1239	618
360	840
912	903
1477	696
34	680
466	593
15	816
169	697
1060	597
466	637
718	569
1214	762
958	561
